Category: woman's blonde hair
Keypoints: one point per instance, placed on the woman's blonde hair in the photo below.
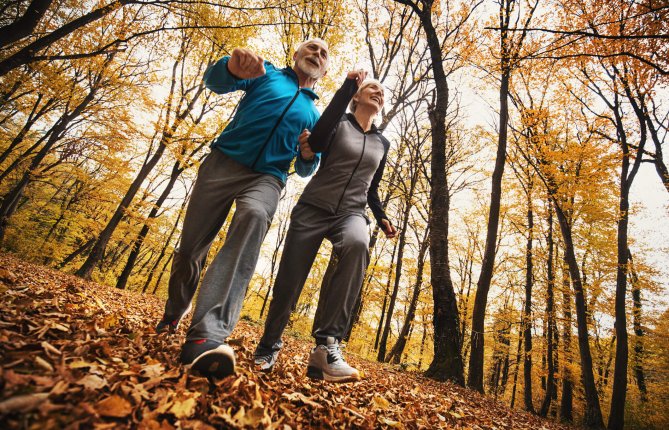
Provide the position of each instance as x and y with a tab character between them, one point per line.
353	105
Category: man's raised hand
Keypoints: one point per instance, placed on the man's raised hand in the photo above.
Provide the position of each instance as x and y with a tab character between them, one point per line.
244	64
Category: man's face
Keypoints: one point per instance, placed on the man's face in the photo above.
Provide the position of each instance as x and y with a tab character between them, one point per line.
312	59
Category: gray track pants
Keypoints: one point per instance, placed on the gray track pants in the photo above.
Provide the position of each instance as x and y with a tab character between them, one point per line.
309	225
220	182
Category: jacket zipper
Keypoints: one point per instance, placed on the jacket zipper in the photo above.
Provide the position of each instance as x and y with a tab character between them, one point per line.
364	143
271	133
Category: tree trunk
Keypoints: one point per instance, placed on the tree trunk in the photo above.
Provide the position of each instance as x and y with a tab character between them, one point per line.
638	330
399	346
82	249
385	299
567	400
660	166
447	361
381	356
100	246
500	360
163	250
527	313
593	412
281	237
25	25
162	272
550	317
153	214
515	374
627	175
475	376
505	363
422	343
465	309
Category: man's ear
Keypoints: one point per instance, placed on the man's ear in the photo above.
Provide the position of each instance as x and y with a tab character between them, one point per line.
294	55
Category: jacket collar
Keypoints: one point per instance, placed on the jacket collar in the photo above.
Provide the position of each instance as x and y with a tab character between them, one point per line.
290	72
373	129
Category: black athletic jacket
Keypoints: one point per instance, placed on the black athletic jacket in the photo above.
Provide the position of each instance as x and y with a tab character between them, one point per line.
352	161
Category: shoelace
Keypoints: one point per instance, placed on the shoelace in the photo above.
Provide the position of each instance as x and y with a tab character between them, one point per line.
335	351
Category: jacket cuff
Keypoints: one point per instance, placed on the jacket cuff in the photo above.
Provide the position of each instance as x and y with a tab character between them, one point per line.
232	75
304	160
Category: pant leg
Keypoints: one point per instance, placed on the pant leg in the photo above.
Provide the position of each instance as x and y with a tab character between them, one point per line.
306	232
209	205
224	285
350	242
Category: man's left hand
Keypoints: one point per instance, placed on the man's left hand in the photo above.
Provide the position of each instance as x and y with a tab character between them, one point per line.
305	149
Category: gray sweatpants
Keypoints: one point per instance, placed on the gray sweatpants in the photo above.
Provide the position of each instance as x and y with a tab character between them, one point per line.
220	182
309	225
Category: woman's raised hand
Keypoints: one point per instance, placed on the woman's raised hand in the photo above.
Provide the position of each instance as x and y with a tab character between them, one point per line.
359	75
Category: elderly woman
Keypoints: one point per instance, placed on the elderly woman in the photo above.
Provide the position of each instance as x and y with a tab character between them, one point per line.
332	206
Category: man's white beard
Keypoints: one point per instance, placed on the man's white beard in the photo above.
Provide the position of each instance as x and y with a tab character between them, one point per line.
309	69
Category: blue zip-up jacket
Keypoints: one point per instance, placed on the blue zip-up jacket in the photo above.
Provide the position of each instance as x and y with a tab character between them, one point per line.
270	117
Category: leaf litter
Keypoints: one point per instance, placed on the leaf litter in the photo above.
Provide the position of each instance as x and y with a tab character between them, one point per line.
78	355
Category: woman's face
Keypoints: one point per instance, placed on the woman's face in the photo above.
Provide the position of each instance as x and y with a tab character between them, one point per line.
371	95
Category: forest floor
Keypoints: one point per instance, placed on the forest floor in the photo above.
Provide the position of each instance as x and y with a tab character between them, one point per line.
76	354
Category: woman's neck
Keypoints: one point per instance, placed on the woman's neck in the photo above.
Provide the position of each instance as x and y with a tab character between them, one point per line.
364	118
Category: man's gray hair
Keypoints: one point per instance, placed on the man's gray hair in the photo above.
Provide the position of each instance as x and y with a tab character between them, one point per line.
315	39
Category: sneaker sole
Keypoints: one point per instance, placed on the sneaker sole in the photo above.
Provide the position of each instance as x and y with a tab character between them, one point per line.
316	373
215	363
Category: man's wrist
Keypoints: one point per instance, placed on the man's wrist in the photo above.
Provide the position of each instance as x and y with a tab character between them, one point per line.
227	67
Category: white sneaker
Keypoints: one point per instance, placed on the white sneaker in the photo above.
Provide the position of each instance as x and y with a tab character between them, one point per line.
265	363
327	362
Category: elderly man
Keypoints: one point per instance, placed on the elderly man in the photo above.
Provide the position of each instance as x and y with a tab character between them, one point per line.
247	166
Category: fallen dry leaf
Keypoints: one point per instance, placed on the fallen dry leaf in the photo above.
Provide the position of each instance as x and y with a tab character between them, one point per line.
113	406
299	397
183	408
92	382
391	423
22	403
380	403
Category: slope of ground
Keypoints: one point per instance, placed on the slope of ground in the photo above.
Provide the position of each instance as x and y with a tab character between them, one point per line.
75	354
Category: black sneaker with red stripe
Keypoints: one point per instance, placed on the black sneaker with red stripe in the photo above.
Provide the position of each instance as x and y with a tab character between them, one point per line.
170	325
167	326
209	358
